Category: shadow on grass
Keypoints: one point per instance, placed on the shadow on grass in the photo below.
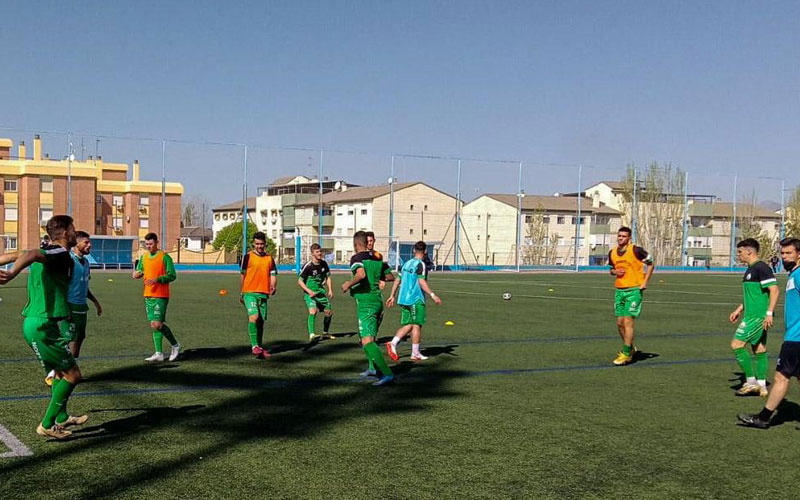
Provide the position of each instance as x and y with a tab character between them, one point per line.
643	356
255	409
788	411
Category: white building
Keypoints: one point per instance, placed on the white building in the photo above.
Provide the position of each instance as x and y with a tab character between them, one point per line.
196	238
224	215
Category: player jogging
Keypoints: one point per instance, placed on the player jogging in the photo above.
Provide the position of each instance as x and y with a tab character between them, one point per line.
156	268
259	281
314	278
789	357
760	294
628	263
364	288
413	284
48	285
73	329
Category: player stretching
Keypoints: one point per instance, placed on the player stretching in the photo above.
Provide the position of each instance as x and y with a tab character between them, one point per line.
760	291
413	281
48	285
158	271
314	278
789	357
627	263
259	281
364	287
73	329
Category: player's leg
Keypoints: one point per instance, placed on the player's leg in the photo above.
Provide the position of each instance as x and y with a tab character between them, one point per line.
369	319
788	367
745	334
251	306
262	320
77	330
324	305
311	321
762	360
418	320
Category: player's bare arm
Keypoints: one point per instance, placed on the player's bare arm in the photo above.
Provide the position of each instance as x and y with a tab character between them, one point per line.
21	262
650	268
93	299
734	316
8	258
302	285
423	284
273	284
774	292
329	285
390	301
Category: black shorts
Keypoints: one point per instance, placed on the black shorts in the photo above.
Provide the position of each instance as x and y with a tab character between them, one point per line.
789	360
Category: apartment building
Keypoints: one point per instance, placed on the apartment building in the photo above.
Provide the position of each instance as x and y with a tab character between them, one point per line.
230	213
107	199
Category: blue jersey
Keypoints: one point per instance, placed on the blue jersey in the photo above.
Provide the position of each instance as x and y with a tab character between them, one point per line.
791	310
410	292
79	284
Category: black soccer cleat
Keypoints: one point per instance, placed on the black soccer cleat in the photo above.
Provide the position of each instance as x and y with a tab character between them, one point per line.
748	420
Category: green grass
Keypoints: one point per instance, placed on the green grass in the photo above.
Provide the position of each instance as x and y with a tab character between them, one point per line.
518	400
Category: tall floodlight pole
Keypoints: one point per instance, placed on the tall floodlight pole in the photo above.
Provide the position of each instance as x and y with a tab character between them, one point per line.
685	234
163	192
391	207
319	208
578	219
457	245
520	195
635	214
733	222
783	208
70	157
244	204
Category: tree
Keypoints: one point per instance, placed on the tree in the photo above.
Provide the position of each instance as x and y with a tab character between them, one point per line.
659	210
195	211
230	238
539	246
750	226
793	214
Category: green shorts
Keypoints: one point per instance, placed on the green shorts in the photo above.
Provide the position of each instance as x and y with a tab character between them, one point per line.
751	331
44	337
370	316
74	327
413	315
320	302
628	302
256	303
156	308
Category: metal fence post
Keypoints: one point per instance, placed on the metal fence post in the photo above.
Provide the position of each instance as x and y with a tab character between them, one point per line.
244	205
783	208
578	220
685	232
457	245
635	209
520	195
164	193
391	204
319	208
733	223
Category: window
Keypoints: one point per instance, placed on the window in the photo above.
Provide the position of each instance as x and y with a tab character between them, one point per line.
98	222
11	213
117	200
224	216
338	255
425	208
45	214
350	212
12	242
411	231
479	216
216	216
349	231
411	208
363	211
424	232
99	199
528	219
338	231
144	200
10	185
546	219
488	236
143	223
479	237
47	184
560	219
117	222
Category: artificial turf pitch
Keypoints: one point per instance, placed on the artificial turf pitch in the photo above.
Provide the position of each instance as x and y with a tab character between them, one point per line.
518	399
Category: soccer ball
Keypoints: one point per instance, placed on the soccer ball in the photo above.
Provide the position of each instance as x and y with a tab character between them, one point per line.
506	296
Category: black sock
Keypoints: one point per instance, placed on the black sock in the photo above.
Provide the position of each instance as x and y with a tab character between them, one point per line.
326	323
765	414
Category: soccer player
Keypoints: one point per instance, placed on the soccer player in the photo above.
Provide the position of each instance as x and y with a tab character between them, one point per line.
386	271
158	271
48	285
259	281
628	263
364	288
789	357
73	329
760	292
314	278
413	281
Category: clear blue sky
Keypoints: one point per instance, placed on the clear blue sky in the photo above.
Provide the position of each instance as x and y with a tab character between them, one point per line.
713	87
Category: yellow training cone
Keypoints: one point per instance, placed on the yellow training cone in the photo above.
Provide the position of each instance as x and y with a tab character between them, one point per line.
109	279
550	290
449	323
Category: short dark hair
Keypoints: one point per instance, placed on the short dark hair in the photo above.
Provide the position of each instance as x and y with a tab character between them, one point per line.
360	237
259	235
749	243
315	246
420	246
151	237
791	242
370	234
57	225
82	235
625	229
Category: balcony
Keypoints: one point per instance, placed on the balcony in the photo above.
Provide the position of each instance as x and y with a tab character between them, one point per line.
288	222
702	253
599	250
705	232
701	210
327	221
600	229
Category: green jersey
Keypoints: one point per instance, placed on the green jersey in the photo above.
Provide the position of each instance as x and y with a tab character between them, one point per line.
315	275
48	284
368	289
755	284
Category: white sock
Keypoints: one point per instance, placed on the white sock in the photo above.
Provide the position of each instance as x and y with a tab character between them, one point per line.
52	374
762	383
396	341
751	380
415	350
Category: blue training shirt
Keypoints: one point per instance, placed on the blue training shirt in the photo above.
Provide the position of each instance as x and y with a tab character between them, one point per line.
791	310
79	284
410	292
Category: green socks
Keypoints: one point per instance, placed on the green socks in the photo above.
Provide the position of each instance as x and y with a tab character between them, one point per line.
375	356
626	349
157	338
745	362
311	321
326	324
260	332
58	402
761	365
168	333
252	332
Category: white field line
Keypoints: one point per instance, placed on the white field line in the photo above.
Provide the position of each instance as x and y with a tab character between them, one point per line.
15	445
546	283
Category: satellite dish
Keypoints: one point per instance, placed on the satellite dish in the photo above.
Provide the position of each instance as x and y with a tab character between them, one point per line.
338	185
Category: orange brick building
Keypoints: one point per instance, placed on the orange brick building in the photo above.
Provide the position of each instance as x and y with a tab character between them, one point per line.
107	198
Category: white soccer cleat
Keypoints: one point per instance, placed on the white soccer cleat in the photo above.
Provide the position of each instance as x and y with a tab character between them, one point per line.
175	352
155	358
418	357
